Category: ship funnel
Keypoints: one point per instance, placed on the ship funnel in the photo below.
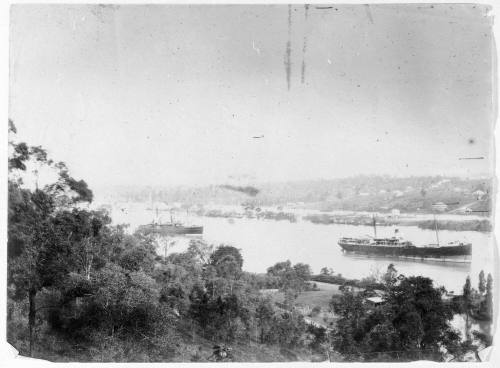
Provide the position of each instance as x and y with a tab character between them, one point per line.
397	233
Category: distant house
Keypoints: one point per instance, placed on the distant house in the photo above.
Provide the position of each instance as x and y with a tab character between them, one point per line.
479	194
303	309
398	193
440	206
374	301
448	295
364	194
439	183
395	212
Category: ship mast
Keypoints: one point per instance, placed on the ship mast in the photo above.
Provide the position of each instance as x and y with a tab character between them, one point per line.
374	226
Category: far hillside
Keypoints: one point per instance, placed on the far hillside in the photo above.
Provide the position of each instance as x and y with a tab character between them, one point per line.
361	193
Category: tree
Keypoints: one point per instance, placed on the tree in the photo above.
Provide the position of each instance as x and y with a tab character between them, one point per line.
489	297
413	323
225	252
467	306
200	250
302	271
138	258
227	262
37	247
482	283
419	314
291	279
264	315
390	277
326	271
85	234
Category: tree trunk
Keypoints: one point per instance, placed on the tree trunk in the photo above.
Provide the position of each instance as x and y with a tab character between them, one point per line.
31	318
467	325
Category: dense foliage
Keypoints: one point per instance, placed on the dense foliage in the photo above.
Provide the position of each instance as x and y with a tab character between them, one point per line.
409	320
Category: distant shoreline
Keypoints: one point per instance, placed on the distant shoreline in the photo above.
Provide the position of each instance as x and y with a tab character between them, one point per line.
425	221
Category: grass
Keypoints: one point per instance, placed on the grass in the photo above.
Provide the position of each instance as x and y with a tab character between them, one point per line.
321	297
315	298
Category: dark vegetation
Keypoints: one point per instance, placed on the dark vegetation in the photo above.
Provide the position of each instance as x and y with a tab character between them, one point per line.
470	225
80	289
366	283
411	322
256	213
483	225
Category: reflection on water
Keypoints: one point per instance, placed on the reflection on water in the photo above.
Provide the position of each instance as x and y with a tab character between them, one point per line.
265	242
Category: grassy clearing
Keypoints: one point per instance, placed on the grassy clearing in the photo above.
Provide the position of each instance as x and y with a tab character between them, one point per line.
315	298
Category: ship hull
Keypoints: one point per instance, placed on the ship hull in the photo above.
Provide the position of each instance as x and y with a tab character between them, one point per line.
175	230
410	251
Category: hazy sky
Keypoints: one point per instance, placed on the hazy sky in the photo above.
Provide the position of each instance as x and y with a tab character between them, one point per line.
169	95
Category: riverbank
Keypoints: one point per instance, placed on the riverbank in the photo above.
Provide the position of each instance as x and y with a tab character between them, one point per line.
466	224
250	214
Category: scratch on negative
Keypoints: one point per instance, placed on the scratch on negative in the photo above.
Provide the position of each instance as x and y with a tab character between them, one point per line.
288	52
304	47
369	13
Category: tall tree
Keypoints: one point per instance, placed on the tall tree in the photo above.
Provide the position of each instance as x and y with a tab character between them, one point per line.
412	323
227	262
467	306
390	276
489	296
38	254
482	283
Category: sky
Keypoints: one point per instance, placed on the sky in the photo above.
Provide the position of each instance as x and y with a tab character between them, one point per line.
196	95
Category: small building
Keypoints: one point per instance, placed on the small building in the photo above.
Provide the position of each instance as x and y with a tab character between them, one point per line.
440	206
395	212
479	194
375	301
398	193
448	295
303	309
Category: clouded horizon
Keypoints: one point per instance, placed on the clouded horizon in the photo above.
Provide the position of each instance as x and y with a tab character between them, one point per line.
195	95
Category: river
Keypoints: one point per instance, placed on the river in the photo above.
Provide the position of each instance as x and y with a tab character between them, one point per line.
265	242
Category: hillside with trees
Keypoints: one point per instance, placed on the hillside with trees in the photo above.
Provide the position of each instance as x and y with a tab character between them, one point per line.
360	193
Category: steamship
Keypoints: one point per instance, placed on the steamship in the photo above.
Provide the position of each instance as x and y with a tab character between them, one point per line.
397	246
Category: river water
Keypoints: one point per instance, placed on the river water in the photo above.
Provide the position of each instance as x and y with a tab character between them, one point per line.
265	242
